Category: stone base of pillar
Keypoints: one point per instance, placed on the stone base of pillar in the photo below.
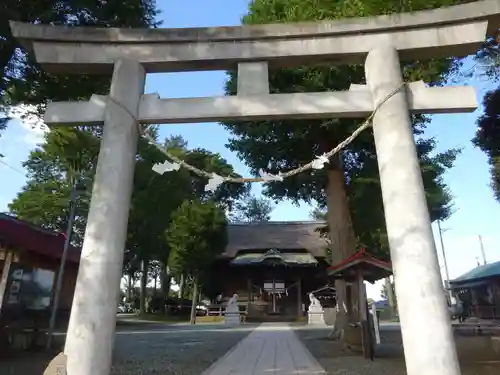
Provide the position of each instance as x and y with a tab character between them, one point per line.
316	318
330	316
353	339
232	319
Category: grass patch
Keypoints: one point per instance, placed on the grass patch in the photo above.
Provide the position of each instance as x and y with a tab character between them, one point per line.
209	319
390	320
159	318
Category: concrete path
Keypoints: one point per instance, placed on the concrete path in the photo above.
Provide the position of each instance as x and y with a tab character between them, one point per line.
271	349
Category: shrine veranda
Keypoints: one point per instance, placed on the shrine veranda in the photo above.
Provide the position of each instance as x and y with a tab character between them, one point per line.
378	42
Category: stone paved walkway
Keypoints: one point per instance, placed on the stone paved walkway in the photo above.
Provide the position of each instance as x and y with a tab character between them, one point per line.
272	349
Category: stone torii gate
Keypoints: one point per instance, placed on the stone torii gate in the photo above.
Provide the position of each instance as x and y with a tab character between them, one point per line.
379	42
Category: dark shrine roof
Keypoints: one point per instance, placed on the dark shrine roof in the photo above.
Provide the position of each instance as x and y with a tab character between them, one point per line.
23	235
373	269
284	236
477	276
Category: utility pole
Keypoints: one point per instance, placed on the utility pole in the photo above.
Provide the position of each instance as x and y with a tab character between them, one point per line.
390	296
447	283
482	249
60	274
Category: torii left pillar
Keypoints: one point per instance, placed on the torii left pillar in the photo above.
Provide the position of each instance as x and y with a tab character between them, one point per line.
90	337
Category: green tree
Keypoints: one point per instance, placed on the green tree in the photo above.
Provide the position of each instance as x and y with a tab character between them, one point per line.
487	59
384	293
155	197
197	234
44	200
488	124
349	186
488	136
253	209
385	289
130	272
150	212
387	292
22	80
227	194
69	153
66	155
318	214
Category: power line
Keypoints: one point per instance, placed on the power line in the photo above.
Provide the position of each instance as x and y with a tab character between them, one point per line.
86	192
13	168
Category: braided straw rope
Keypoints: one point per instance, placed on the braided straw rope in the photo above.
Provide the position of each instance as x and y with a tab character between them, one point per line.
366	124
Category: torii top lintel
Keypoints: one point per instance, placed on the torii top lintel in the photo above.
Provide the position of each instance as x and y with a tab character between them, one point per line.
451	31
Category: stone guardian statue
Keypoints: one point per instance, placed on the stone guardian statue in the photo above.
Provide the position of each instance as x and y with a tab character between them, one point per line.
232	315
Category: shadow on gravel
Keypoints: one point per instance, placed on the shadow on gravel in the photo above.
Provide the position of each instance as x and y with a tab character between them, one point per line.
147	350
478	355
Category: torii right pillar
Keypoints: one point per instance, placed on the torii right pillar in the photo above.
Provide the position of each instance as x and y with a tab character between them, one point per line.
425	324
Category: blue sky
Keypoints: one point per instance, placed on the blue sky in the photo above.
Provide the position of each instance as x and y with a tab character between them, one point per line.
477	213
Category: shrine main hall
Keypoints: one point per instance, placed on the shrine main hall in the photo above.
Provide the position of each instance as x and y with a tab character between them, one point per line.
273	266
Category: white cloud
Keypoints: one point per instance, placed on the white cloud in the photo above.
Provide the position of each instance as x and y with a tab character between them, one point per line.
15	144
18	135
373	290
32	135
463	252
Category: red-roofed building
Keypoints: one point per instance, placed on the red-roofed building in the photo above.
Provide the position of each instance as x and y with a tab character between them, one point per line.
29	262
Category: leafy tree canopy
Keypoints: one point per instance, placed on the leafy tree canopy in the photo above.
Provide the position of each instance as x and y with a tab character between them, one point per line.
65	155
488	125
488	136
253	209
196	235
282	145
488	59
22	80
156	196
69	153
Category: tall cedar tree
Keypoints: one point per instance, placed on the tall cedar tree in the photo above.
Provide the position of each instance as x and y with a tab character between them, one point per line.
196	235
349	186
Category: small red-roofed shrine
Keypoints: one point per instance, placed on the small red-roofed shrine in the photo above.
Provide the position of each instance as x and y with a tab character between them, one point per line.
356	269
29	262
372	269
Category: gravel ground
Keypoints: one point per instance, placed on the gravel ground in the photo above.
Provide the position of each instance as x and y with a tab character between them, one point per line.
477	355
159	350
